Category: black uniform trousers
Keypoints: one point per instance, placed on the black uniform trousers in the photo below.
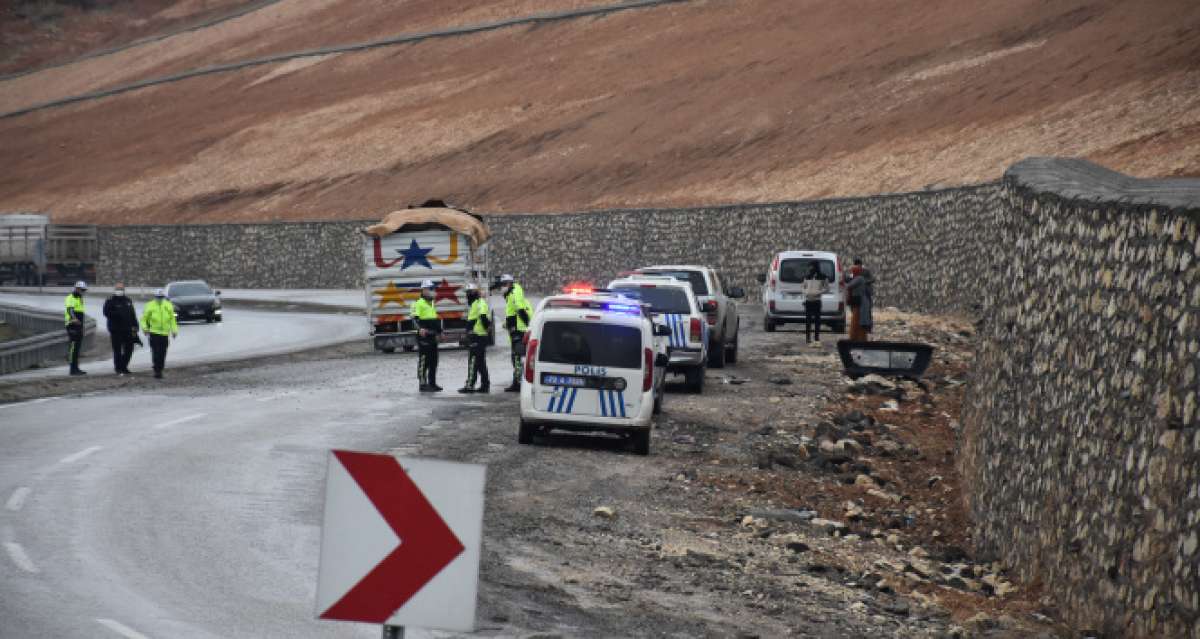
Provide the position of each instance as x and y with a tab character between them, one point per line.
812	319
477	362
158	350
74	344
122	345
427	363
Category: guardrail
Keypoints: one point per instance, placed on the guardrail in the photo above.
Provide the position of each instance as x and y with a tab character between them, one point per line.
49	344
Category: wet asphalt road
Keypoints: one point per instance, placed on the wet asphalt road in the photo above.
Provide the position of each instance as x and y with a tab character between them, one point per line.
192	509
244	333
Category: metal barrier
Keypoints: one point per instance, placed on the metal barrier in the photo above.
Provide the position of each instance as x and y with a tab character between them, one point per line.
48	345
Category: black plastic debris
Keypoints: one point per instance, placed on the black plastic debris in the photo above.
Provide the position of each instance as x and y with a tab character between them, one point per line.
900	359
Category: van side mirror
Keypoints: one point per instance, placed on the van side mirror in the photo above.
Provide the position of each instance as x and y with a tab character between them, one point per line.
737	292
661	331
761	277
661	359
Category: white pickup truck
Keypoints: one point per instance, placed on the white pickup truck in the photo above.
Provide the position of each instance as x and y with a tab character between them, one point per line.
446	245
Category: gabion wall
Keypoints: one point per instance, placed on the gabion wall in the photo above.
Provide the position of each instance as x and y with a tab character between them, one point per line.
1080	443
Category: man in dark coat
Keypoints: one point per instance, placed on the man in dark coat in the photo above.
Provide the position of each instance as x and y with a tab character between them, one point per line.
122	328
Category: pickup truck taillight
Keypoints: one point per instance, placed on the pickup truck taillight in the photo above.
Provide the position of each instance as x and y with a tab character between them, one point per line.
772	306
530	354
648	374
695	332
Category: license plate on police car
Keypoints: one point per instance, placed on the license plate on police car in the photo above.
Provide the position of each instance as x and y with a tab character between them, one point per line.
551	379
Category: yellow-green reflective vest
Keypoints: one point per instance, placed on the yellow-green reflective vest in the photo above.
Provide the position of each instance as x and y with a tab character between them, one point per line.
423	309
515	301
74	304
159	317
479	308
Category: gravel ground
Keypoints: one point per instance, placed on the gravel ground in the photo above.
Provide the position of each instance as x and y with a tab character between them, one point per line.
586	539
783	501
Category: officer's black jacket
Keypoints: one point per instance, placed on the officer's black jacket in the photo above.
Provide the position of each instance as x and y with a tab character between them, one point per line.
121	316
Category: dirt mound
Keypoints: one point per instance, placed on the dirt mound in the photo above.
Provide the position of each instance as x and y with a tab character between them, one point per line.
685	104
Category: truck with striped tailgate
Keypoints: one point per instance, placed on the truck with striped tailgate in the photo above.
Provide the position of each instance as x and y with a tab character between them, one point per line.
435	242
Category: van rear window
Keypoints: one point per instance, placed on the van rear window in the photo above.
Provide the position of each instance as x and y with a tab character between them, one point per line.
796	269
695	278
661	299
584	343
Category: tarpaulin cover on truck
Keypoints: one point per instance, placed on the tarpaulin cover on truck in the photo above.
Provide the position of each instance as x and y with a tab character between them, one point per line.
451	218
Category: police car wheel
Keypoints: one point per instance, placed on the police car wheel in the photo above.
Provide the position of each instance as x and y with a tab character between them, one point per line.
640	440
525	433
716	355
658	402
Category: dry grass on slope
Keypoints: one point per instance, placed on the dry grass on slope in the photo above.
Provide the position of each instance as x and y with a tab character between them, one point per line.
689	104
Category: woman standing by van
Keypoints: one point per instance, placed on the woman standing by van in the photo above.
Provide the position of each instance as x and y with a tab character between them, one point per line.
860	291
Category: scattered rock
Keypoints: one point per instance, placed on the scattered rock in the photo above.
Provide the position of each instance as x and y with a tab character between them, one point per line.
781	381
605	512
864	481
797	546
918	552
892	497
795	516
858	606
932	481
981	621
828	525
898	607
890	406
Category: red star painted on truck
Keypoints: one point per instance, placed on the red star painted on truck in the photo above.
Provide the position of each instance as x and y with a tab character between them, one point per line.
446	291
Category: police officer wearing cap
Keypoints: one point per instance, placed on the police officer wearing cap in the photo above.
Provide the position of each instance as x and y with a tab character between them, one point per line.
158	321
424	313
479	319
517	316
74	321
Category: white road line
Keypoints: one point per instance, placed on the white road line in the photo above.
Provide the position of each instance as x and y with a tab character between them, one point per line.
32	401
181	420
121	629
71	459
271	398
18	556
17	500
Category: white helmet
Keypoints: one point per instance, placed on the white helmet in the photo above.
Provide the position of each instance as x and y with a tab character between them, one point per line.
470	286
158	292
81	284
506	278
428	284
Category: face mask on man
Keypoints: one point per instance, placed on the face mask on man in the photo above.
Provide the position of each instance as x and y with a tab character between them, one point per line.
427	293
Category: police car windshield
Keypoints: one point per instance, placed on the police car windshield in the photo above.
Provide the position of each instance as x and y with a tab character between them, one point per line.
695	278
585	343
796	270
188	288
661	299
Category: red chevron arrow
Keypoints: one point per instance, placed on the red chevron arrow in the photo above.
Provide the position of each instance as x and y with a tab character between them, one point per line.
427	545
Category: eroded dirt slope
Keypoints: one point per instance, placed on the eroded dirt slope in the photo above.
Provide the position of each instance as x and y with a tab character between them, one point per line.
687	104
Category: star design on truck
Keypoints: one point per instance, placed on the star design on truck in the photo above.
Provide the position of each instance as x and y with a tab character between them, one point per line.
446	291
414	254
394	295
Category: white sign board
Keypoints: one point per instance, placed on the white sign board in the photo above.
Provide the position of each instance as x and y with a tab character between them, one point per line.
400	541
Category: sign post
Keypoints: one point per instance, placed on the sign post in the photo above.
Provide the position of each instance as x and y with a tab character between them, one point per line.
400	542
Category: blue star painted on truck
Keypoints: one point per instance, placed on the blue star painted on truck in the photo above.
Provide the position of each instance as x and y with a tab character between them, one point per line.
414	254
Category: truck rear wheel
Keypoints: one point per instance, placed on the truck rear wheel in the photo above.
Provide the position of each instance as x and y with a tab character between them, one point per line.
695	379
716	355
408	348
732	355
641	441
388	349
768	325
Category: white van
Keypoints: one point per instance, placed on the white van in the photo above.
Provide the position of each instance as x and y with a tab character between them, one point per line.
595	362
782	300
674	305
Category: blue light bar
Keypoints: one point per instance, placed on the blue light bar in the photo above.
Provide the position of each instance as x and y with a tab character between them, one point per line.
623	308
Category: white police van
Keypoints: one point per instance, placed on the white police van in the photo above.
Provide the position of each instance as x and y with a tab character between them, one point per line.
594	362
673	304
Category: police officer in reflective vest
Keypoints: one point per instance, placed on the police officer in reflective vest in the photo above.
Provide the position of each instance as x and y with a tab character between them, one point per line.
158	321
517	316
424	313
479	319
74	320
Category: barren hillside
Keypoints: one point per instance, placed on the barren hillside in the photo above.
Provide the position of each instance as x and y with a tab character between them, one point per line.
691	103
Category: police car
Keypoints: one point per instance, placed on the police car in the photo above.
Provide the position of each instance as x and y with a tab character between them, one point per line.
595	361
674	305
